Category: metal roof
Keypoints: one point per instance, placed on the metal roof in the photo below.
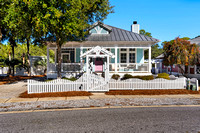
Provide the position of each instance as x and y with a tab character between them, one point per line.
161	56
195	40
117	34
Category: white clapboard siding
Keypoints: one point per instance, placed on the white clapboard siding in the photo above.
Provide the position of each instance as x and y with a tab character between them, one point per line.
57	85
138	84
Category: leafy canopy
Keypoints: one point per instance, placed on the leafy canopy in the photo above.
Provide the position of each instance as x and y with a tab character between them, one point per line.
181	52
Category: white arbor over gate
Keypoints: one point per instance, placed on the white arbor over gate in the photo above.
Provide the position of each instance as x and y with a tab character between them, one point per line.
96	52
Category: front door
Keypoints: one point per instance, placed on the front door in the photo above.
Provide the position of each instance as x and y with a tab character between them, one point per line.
98	64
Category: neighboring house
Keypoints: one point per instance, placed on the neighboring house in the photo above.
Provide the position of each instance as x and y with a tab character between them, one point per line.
191	71
161	68
107	50
39	69
194	71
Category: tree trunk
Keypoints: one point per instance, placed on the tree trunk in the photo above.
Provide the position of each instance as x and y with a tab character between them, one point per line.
13	57
9	68
28	56
171	69
59	61
182	70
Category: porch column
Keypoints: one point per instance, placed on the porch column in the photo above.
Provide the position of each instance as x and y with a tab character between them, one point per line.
108	71
188	69
47	60
81	59
195	69
116	57
55	52
149	58
87	63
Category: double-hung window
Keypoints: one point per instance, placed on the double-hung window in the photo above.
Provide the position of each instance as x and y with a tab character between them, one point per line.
127	55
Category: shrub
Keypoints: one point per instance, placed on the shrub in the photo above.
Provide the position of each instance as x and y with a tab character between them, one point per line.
163	75
115	76
128	76
71	79
150	77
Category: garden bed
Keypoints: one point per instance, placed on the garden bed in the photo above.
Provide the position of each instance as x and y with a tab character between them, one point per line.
55	94
151	92
11	79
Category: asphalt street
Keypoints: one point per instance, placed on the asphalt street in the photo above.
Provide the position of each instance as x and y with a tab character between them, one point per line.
116	120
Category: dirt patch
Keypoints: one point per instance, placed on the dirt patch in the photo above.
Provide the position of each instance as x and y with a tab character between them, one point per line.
55	94
151	92
11	79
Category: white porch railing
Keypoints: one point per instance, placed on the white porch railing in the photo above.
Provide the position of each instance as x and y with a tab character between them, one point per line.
130	67
121	67
66	67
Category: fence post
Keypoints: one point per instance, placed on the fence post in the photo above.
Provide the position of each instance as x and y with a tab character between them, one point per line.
185	82
28	87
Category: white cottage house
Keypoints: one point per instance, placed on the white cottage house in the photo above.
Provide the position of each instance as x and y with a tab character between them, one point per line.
107	50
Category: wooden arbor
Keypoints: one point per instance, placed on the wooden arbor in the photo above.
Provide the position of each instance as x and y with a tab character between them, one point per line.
97	52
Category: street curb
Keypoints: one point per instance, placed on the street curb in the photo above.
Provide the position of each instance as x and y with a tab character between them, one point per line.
92	108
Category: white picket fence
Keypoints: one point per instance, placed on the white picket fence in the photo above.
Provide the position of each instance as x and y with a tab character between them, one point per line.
138	84
96	83
57	85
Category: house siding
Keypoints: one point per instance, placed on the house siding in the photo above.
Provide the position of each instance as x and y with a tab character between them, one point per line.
77	55
112	51
118	55
140	55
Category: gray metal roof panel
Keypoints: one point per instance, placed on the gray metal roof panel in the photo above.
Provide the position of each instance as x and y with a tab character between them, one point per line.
126	37
118	34
121	35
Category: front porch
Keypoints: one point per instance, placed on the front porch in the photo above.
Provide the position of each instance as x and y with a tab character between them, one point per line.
126	60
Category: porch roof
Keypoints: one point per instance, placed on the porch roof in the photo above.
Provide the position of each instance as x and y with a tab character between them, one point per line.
97	51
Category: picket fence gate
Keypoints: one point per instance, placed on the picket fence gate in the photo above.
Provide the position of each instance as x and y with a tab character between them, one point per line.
95	83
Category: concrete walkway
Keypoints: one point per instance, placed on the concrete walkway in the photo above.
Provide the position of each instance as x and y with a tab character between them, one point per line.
12	90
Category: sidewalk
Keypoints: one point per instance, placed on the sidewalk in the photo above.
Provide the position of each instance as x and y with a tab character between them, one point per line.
95	96
96	100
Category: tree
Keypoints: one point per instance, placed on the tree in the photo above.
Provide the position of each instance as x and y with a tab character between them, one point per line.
66	20
143	32
180	52
19	16
155	49
7	32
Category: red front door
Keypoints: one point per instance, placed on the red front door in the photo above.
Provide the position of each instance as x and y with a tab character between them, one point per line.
98	64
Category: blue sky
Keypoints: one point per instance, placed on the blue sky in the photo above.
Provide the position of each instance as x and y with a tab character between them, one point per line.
165	19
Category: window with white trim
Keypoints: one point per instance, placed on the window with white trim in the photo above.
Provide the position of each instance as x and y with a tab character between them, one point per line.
123	58
131	57
127	55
